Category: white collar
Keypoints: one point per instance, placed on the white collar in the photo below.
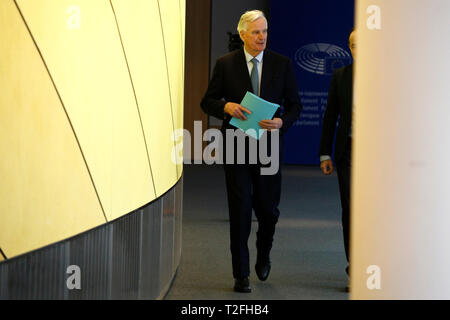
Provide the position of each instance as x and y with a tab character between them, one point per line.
249	57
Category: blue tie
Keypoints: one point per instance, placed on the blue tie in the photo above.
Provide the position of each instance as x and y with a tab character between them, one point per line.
254	76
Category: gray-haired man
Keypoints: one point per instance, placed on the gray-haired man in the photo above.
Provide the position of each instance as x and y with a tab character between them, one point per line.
271	76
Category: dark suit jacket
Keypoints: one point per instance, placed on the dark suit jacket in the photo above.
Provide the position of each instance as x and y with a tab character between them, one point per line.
231	80
339	104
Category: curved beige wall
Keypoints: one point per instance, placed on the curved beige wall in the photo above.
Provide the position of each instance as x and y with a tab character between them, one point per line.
91	93
400	179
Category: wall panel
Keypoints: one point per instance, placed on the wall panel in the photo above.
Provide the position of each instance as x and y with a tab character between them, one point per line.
400	238
132	257
90	71
46	193
198	19
146	59
170	12
92	93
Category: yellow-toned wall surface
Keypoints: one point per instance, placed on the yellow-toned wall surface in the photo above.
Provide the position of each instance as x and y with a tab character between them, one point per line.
400	188
91	93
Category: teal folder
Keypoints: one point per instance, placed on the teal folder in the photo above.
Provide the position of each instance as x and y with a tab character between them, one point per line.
261	110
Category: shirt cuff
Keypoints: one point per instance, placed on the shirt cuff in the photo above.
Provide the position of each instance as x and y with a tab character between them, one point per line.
325	157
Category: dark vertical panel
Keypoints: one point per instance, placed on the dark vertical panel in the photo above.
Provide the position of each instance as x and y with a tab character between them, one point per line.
90	252
110	260
197	53
151	251
66	264
3	281
38	275
167	239
178	223
125	258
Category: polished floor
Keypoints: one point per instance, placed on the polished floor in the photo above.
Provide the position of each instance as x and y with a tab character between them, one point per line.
308	260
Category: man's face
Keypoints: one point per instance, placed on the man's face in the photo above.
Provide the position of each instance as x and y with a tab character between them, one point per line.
255	37
352	44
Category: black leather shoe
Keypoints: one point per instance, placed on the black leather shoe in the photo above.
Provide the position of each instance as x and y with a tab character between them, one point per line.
262	270
242	285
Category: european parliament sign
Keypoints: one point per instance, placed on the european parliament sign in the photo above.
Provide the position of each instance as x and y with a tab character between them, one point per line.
321	58
314	34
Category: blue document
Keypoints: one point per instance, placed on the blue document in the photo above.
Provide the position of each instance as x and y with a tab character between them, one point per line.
261	110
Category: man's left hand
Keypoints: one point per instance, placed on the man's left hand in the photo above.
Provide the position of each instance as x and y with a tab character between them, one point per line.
274	124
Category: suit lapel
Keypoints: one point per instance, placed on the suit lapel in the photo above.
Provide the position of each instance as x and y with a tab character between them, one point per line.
266	73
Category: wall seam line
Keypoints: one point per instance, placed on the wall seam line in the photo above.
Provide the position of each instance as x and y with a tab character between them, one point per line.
63	106
168	78
135	97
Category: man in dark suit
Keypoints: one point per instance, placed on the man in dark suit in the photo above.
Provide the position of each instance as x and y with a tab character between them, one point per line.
339	105
271	76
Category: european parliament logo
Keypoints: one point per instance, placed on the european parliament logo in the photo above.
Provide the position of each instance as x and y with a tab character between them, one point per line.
322	58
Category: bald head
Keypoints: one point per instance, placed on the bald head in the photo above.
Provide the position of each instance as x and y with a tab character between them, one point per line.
352	43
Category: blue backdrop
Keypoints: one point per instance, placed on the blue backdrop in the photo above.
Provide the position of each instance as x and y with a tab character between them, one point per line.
314	34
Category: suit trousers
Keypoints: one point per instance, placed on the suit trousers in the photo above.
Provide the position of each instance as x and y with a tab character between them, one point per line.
343	167
247	189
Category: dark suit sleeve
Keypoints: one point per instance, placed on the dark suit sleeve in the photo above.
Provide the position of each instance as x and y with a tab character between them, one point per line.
212	103
292	105
330	118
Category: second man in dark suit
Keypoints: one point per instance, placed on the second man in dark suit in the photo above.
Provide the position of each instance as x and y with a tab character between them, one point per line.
339	106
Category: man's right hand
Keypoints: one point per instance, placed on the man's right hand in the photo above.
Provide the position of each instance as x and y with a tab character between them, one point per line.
326	166
236	110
